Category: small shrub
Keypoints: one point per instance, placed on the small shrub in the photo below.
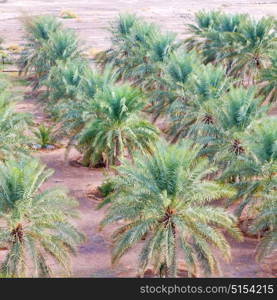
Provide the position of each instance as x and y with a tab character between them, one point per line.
14	48
68	14
92	53
106	188
44	136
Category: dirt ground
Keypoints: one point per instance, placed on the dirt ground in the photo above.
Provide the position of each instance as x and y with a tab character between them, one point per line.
93	259
94	16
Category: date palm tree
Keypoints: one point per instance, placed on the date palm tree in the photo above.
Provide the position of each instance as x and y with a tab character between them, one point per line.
254	43
120	30
206	84
266	222
76	107
13	140
35	224
220	127
163	197
53	44
173	82
257	166
38	30
117	128
269	80
241	43
209	34
64	79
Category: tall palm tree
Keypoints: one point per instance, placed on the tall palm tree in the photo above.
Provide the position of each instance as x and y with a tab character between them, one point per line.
35	224
117	129
164	196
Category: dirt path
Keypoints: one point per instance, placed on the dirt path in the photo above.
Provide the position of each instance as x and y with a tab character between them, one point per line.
93	259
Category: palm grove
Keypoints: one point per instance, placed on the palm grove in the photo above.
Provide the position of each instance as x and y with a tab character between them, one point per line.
212	91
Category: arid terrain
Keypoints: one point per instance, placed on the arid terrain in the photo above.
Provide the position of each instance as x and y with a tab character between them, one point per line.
95	15
91	25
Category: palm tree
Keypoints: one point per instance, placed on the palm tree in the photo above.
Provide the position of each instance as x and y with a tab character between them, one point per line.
220	127
269	80
254	43
206	84
52	45
34	224
256	166
164	196
172	85
38	31
116	128
241	43
120	30
76	107
64	79
13	140
135	50
209	34
266	222
148	59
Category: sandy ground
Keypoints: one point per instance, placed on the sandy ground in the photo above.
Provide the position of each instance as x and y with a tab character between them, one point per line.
94	16
93	259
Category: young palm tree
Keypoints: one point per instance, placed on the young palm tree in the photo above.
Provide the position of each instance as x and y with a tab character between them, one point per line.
120	30
148	59
54	44
64	79
164	196
135	49
34	224
44	136
116	128
241	43
38	31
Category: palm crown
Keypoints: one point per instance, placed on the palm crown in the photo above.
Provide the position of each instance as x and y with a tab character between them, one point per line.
35	224
165	196
116	127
